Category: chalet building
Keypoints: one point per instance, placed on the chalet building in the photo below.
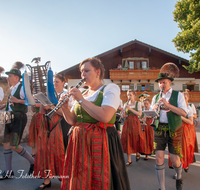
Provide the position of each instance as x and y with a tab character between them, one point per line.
135	65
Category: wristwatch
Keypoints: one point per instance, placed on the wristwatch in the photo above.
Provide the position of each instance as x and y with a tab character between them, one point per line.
80	101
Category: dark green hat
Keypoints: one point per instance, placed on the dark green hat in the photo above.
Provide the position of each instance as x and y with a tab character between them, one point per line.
14	71
164	76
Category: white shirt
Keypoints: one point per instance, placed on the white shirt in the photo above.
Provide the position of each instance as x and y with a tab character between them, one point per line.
167	96
190	112
1	94
111	96
193	108
121	104
13	90
139	107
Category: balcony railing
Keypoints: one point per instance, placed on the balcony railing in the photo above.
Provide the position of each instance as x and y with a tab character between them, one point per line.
137	74
194	96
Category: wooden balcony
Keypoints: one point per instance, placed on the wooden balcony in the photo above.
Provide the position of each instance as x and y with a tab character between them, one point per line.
132	74
194	96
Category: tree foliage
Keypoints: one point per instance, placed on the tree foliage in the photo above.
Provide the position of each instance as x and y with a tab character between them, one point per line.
187	15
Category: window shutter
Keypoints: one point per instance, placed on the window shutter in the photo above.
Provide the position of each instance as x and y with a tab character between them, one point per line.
152	87
139	87
132	86
196	87
184	87
119	85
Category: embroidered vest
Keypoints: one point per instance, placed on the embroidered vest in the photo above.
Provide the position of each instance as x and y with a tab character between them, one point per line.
174	120
17	107
84	117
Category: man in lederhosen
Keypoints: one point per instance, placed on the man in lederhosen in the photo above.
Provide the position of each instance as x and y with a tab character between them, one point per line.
14	130
168	128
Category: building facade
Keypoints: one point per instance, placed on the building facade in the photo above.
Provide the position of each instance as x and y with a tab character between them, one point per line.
136	65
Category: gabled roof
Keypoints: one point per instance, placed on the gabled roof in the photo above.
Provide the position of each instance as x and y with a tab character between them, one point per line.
126	45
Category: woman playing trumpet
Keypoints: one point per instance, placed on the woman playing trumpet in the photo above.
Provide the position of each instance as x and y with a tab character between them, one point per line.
94	157
131	129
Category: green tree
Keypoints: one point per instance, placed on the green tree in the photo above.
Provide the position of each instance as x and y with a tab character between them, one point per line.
187	15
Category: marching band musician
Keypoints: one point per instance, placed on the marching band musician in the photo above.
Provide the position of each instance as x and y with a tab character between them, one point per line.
188	137
14	130
1	90
146	142
168	129
52	141
131	130
94	158
34	127
117	123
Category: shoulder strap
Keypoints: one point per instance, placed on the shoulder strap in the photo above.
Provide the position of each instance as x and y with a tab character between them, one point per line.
136	106
157	97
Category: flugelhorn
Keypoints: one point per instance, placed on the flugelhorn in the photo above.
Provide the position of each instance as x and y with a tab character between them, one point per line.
158	110
121	115
51	113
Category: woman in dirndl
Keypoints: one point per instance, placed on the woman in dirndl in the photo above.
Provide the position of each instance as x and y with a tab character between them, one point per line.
34	127
132	131
94	156
146	138
52	141
188	137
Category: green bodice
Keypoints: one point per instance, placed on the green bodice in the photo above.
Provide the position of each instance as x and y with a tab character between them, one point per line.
128	112
84	117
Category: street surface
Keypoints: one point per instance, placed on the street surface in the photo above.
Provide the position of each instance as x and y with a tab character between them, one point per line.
142	174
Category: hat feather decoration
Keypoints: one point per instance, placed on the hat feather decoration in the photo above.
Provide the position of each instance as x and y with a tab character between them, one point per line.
1	69
18	65
171	69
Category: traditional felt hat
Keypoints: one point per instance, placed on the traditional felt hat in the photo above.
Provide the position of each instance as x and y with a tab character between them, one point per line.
15	72
16	69
143	95
164	76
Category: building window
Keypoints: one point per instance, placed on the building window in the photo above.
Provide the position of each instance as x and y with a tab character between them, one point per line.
125	87
131	65
144	64
145	87
190	87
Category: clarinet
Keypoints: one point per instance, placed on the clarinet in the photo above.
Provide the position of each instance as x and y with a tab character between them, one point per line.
123	111
158	110
59	104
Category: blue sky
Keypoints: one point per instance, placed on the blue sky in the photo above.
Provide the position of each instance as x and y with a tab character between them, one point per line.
66	32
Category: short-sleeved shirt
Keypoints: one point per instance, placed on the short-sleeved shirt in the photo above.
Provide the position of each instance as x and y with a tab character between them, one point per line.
111	96
167	96
193	109
190	111
1	94
13	90
139	107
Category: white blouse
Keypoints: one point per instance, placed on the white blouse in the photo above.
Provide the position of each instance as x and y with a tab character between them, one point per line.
111	96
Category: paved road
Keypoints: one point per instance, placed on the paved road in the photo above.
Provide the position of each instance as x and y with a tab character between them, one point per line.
141	174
